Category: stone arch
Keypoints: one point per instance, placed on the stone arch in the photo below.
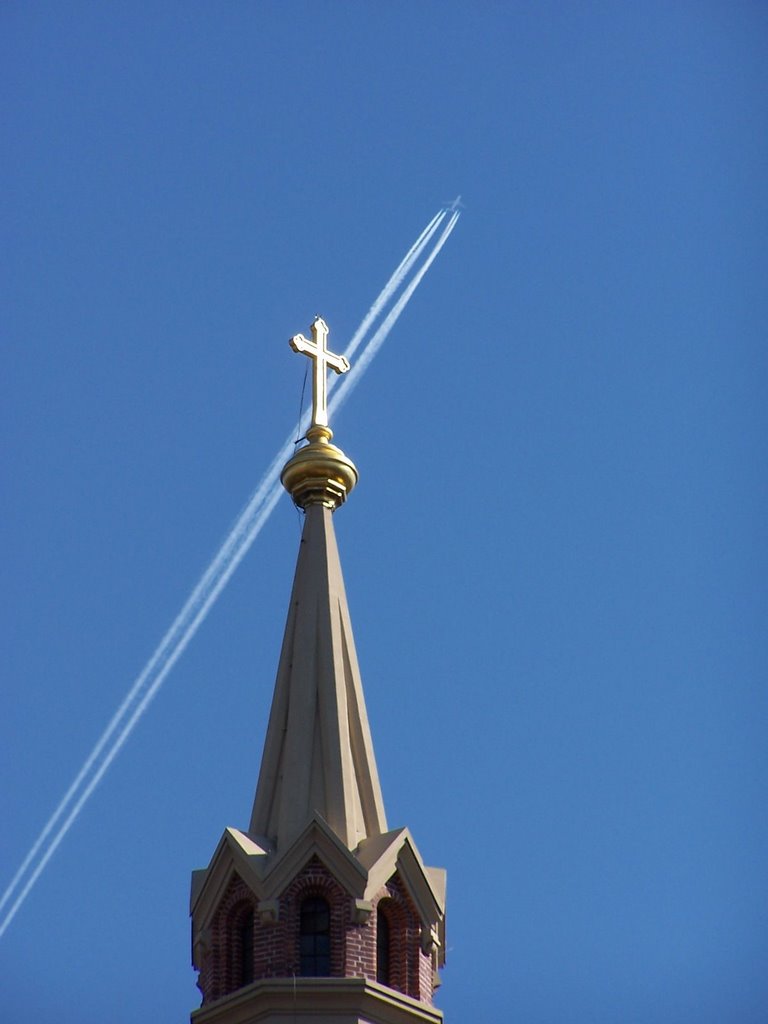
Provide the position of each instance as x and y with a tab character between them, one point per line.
399	968
316	882
404	939
240	945
223	969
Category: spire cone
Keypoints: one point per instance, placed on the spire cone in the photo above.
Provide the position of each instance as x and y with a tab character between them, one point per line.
318	754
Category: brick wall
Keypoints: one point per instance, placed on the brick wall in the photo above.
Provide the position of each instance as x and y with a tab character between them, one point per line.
353	945
410	969
218	970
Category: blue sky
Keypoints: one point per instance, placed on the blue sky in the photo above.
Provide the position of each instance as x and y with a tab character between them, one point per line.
555	558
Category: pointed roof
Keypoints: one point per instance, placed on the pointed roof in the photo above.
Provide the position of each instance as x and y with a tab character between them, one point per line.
318	754
318	805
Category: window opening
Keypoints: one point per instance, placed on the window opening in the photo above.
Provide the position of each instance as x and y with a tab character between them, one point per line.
315	938
382	948
245	936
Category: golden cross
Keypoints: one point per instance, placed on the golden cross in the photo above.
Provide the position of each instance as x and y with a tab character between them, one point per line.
322	360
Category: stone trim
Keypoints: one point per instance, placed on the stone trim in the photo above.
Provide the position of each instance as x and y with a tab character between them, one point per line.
321	1000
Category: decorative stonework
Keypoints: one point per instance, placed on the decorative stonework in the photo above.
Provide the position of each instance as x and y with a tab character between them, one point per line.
315	880
361	911
269	911
275	946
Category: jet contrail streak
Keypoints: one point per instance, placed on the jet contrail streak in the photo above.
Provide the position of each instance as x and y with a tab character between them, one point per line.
377	340
246	528
142	706
392	285
236	532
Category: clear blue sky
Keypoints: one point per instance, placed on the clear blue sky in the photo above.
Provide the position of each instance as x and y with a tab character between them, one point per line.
556	557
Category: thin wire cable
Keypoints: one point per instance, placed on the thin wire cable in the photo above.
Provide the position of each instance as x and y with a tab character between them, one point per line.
299	438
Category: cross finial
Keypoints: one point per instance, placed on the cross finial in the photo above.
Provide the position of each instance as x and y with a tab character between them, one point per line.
322	360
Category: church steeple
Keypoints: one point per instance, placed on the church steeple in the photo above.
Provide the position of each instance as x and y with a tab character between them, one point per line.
318	754
318	909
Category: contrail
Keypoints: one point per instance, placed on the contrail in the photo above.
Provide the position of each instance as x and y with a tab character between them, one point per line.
237	543
230	544
143	704
374	343
393	284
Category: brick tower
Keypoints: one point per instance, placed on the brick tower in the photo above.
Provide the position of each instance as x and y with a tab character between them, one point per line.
319	911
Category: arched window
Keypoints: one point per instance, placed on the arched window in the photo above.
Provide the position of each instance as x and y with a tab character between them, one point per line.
315	938
243	949
382	948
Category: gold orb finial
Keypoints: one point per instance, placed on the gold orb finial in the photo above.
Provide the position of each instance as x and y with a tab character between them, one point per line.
319	473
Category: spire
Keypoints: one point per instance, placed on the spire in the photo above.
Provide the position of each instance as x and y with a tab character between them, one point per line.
318	754
318	911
